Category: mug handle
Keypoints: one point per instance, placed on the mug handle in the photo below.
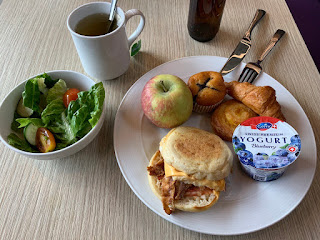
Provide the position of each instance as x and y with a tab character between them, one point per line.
129	14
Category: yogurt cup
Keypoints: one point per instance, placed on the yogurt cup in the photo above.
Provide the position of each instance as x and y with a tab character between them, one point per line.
266	146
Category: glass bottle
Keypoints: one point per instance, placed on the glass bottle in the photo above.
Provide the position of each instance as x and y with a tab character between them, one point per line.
204	18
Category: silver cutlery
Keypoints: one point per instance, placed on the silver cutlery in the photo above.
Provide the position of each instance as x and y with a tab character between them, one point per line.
243	46
252	70
113	10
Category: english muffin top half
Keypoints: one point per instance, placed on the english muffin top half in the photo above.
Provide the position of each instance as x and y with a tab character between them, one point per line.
196	152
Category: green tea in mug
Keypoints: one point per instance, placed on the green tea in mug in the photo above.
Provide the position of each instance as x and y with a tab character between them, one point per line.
95	25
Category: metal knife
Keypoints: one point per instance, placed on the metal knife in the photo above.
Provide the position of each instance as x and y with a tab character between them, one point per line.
243	46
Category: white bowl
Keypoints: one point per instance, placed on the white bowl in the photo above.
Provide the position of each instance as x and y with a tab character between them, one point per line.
9	104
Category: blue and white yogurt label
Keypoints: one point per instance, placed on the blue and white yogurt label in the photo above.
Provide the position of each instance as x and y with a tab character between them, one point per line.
266	146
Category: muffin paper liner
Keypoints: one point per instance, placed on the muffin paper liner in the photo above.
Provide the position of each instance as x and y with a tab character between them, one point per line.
204	109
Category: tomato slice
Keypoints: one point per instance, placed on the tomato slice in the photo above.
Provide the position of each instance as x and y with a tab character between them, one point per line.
70	95
45	140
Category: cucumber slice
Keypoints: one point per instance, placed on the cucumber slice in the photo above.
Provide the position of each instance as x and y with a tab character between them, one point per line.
30	133
22	110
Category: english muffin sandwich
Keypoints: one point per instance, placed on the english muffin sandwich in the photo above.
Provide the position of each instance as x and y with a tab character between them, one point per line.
188	170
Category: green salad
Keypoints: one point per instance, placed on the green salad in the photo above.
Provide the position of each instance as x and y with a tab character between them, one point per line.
49	116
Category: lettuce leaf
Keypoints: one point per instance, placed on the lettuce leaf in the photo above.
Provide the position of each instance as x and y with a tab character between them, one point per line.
52	111
97	95
63	131
60	145
25	122
93	100
85	129
15	124
71	124
78	115
48	80
19	143
45	82
42	86
31	95
55	119
84	113
57	91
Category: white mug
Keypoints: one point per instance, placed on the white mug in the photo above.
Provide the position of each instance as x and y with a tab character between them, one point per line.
106	56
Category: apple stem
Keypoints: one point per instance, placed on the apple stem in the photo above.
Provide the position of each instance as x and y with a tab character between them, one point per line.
163	86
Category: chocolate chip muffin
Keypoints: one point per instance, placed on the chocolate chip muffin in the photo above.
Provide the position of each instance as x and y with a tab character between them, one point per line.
208	90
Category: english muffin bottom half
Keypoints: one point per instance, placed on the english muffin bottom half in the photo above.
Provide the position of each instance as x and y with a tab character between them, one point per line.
191	203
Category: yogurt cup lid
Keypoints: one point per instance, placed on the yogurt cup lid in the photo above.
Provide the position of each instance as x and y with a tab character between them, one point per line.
266	143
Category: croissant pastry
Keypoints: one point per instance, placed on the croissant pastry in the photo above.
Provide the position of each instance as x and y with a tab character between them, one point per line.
262	100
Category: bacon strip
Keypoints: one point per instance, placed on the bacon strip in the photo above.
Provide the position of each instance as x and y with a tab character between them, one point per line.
157	169
195	191
181	189
168	190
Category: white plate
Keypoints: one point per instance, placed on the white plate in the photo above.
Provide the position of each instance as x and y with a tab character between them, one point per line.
247	205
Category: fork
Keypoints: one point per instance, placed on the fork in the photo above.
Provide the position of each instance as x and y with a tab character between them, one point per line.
252	70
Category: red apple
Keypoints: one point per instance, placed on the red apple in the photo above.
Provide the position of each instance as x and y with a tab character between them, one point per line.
166	101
